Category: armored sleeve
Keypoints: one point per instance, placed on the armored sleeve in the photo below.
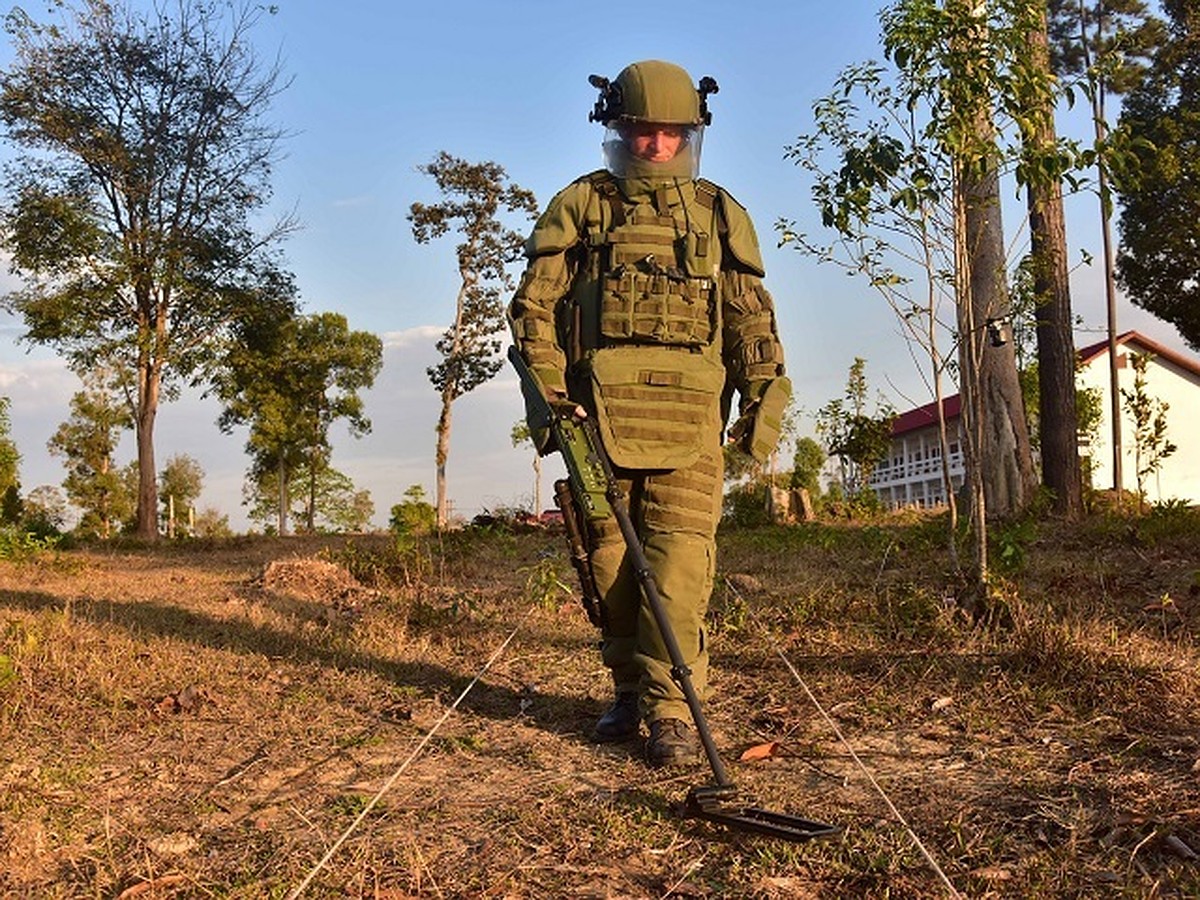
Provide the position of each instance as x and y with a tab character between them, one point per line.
532	314
753	353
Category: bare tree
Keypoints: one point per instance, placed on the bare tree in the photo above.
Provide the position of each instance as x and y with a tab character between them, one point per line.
474	195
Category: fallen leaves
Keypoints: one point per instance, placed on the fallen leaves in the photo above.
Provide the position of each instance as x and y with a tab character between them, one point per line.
761	751
187	700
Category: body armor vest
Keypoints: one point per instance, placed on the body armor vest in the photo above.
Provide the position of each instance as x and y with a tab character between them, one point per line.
643	322
648	276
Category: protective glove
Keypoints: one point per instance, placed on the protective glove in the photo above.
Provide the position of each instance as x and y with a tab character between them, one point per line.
757	430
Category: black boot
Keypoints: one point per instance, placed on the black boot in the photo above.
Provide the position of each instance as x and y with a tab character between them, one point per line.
620	722
672	743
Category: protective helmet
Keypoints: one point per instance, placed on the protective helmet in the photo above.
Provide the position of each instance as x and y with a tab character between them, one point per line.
652	92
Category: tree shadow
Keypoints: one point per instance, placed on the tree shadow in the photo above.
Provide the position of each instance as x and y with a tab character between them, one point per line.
145	619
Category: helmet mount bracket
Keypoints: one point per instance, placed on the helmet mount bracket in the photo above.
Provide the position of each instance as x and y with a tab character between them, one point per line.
610	104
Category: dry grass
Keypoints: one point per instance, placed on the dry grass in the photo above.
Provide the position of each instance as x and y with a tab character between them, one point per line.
205	721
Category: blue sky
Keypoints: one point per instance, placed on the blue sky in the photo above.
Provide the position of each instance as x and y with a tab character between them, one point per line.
379	88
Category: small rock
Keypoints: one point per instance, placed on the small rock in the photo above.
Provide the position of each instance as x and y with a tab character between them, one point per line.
175	844
993	873
1179	848
189	698
747	584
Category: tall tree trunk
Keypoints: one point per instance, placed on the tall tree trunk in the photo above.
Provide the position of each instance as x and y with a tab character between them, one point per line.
1006	457
311	517
1052	292
449	392
283	497
1100	126
969	349
537	485
443	453
103	506
147	410
1110	295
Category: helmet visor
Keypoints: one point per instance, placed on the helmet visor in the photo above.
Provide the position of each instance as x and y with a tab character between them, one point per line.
646	149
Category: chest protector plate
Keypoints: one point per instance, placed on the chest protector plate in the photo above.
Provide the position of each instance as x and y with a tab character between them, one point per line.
645	325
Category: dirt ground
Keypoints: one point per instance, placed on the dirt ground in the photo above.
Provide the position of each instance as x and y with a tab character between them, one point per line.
349	718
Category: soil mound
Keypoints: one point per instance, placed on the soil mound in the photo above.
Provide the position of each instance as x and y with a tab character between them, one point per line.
314	580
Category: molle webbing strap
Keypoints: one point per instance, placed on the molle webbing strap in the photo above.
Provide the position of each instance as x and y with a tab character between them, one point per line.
606	187
683	499
655	414
662	203
628	236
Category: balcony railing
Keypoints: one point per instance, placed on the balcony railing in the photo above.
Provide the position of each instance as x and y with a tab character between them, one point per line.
914	470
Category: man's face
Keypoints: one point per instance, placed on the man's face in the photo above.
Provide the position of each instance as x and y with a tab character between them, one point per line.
654	142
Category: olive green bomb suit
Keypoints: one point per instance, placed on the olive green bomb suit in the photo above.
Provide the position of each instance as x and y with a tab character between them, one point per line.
642	302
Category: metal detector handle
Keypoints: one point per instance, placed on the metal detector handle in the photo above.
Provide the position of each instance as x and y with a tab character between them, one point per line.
680	672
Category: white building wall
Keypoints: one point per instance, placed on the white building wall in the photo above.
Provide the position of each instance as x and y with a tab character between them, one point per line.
912	474
1179	476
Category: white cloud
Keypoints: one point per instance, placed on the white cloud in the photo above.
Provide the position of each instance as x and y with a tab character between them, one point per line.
358	202
37	383
419	336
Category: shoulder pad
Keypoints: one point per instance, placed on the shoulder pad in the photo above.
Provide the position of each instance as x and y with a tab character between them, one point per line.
560	226
737	233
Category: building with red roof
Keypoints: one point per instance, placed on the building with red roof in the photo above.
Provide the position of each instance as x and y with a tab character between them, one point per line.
913	474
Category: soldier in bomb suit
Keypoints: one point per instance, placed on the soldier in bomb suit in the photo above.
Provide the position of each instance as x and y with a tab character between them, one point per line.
642	303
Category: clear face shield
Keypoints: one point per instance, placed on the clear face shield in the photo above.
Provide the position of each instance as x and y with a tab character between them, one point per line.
649	150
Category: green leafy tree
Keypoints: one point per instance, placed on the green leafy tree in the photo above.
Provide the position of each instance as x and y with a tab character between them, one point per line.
1160	255
326	502
858	439
1105	46
147	156
885	187
45	512
807	463
1151	446
11	507
289	380
348	510
10	458
413	515
1050	282
211	523
129	477
87	442
521	437
179	486
962	59
474	195
912	192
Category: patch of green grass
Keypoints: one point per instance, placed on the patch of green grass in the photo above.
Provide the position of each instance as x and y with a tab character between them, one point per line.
348	805
364	738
